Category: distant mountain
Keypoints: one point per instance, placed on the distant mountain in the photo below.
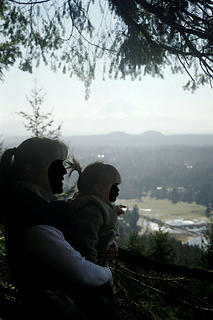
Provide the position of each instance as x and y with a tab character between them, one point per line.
152	134
147	138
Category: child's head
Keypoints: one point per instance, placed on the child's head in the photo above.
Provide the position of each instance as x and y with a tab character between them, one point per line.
99	179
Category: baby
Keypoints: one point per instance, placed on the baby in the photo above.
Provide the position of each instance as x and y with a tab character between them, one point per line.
91	217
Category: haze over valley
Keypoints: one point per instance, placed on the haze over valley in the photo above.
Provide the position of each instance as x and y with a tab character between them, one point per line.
147	138
169	177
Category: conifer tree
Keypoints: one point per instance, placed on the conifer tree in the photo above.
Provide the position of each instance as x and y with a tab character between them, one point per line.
133	38
162	247
38	122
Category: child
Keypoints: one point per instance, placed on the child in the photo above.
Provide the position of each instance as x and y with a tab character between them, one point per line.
91	217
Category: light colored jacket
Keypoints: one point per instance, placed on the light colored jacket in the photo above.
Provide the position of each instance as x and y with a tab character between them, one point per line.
49	244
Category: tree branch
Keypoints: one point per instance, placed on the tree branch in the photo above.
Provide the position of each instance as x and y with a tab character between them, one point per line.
185	67
29	2
169	22
148	264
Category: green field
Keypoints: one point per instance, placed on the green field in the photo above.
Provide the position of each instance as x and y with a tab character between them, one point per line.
165	209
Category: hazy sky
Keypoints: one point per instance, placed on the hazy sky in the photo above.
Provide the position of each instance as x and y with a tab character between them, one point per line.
114	105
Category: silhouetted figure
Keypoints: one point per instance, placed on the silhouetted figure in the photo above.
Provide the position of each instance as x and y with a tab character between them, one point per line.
91	215
53	279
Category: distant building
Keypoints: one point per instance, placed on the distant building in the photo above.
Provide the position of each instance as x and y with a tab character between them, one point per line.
188	165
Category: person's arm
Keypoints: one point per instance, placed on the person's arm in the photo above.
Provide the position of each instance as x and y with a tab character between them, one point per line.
48	244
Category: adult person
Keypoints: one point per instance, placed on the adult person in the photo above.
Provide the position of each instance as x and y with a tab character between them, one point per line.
41	261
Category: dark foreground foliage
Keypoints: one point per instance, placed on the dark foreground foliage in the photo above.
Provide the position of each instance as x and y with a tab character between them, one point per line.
143	294
144	289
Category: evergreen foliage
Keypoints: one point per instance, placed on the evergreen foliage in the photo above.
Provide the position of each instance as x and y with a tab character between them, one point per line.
39	123
1	147
131	38
151	291
177	173
131	218
162	247
208	247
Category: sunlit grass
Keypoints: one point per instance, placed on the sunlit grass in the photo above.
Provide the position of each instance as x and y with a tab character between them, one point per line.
164	209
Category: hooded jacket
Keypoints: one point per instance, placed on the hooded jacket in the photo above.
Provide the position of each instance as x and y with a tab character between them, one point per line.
92	223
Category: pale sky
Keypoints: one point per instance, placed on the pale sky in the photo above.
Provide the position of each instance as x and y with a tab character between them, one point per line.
114	105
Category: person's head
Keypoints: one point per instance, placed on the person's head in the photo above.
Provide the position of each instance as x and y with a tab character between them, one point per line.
37	160
99	179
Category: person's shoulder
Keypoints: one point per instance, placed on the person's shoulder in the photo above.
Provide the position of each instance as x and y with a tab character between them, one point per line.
85	210
84	202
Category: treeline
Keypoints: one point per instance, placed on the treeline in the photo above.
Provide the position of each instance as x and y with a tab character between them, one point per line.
178	173
160	246
161	295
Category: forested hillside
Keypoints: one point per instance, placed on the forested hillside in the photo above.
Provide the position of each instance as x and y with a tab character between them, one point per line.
179	173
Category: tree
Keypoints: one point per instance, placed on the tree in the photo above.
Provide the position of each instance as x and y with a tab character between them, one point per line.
50	31
38	123
162	247
134	243
175	196
208	246
204	195
131	217
188	195
133	38
175	33
1	147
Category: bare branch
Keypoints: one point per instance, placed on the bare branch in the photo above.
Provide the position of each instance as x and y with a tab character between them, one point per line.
181	62
29	2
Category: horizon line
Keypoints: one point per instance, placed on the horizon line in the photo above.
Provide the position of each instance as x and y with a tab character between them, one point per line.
111	133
